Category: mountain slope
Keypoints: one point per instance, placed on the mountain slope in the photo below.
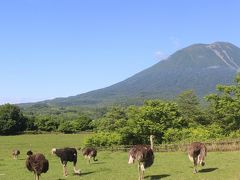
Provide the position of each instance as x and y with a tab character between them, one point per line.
199	67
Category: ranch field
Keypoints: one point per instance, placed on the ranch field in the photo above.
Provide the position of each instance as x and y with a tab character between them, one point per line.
110	165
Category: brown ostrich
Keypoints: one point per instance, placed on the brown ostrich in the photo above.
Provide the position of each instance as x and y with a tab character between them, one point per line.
144	155
37	163
15	153
67	154
197	152
89	153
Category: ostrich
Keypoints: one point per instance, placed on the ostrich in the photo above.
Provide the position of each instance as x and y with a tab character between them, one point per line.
89	153
67	154
29	153
197	152
15	153
37	163
144	155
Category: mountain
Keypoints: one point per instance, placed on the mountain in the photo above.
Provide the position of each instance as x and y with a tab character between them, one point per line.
199	67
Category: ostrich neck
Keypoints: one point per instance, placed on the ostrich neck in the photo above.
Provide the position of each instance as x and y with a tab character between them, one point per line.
151	142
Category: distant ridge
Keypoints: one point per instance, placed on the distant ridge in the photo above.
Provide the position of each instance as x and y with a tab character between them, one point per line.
199	67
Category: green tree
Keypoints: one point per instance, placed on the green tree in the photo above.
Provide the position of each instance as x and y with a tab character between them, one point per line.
30	123
225	105
11	119
67	127
114	119
46	123
83	123
154	117
190	109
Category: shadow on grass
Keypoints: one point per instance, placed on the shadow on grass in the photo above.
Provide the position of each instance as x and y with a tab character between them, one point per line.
83	173
156	177
21	159
207	170
98	163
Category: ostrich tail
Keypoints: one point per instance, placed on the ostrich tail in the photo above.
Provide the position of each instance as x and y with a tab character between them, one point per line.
190	157
45	166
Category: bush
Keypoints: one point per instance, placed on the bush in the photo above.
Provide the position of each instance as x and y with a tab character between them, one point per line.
67	127
104	139
234	134
199	133
45	123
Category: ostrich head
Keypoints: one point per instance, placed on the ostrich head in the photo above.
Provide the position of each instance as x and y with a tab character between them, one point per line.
54	150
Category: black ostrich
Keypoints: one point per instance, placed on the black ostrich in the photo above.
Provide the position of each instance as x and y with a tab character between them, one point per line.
37	163
67	154
144	155
197	152
89	152
29	153
15	153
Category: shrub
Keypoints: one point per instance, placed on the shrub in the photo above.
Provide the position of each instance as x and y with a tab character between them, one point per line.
104	139
67	127
234	134
199	133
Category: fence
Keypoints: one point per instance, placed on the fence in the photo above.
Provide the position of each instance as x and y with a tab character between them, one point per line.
211	146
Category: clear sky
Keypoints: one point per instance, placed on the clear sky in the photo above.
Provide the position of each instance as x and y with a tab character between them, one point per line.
60	48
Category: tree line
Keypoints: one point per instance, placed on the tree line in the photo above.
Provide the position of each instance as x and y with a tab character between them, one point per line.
178	120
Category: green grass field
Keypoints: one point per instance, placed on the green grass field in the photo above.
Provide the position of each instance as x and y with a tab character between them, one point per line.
110	165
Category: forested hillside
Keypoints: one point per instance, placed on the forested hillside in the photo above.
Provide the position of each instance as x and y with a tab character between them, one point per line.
199	67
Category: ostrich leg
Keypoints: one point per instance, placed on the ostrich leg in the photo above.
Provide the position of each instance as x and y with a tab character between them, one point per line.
195	165
142	170
64	170
89	157
139	172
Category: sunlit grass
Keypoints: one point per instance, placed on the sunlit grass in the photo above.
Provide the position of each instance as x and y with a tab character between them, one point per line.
110	165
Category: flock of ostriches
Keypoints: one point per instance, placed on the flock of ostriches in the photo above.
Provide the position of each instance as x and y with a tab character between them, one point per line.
143	154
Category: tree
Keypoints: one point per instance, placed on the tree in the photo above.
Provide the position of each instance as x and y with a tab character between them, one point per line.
46	123
83	123
226	105
114	119
11	119
154	117
67	127
190	109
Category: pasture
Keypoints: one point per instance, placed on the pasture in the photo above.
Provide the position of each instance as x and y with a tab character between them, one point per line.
110	165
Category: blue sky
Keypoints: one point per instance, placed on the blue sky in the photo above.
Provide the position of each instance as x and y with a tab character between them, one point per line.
60	48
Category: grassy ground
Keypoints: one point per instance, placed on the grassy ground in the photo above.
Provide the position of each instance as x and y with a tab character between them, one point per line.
111	165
